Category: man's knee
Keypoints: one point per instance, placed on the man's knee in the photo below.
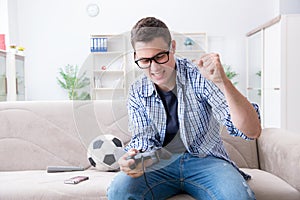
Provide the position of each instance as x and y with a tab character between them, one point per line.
236	192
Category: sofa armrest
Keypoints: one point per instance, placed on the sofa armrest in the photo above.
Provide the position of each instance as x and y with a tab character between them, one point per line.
279	154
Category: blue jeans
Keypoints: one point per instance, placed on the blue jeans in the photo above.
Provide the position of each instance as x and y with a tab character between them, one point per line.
204	178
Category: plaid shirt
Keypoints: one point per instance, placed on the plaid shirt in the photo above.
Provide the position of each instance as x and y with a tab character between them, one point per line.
202	109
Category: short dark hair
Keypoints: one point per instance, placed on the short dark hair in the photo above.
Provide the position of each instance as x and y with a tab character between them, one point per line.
146	29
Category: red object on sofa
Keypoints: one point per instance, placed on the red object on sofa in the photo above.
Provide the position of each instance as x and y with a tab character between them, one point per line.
2	42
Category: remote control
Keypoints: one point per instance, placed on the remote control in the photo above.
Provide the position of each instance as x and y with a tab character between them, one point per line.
145	156
51	169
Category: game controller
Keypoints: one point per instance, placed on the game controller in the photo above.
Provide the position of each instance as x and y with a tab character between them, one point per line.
153	155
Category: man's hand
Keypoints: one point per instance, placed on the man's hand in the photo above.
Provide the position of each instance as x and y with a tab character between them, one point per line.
211	68
125	164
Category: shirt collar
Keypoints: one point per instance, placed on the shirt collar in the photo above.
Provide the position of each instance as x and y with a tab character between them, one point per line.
148	87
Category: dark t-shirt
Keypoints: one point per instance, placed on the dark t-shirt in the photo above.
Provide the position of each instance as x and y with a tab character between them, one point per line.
172	140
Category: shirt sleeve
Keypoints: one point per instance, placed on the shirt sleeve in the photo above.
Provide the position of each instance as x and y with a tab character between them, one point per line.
143	135
233	130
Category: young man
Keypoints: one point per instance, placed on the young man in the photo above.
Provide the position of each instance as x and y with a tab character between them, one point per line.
179	107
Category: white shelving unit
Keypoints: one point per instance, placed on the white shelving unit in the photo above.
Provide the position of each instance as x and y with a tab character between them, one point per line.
255	67
3	78
113	67
108	67
272	49
190	45
12	77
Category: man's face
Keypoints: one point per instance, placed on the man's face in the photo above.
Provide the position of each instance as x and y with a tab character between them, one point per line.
155	52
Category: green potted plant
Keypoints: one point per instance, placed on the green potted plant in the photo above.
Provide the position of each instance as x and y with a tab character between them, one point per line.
259	75
230	73
71	81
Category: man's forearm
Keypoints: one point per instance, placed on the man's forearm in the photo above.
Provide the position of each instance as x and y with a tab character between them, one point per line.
243	114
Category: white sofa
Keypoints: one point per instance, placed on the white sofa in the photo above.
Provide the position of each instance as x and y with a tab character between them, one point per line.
37	134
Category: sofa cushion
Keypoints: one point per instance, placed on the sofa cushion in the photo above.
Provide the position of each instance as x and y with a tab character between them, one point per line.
35	130
279	154
38	184
93	118
35	135
267	186
242	152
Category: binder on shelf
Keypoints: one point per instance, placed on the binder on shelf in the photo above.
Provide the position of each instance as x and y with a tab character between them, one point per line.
99	44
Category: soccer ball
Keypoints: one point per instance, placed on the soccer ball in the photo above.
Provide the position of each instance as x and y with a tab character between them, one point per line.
104	152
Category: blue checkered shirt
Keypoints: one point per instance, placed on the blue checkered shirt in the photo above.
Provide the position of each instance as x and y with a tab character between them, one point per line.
202	111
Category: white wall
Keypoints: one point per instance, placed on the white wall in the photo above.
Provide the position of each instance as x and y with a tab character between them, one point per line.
289	6
4	20
56	33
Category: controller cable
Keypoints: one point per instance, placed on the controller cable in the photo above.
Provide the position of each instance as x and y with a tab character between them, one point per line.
145	178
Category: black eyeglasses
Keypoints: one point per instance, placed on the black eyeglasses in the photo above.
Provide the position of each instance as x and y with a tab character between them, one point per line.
160	58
